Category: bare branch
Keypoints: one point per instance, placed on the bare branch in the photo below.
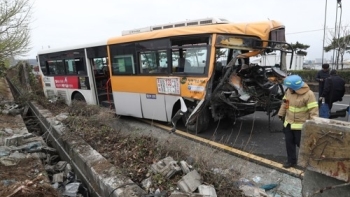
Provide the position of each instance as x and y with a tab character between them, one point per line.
15	18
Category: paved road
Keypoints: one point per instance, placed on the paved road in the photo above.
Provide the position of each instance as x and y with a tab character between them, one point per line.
251	133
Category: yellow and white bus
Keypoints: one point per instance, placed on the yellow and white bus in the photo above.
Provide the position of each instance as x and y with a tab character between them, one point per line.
196	70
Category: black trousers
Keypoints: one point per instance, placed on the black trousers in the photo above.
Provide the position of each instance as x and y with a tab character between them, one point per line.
292	138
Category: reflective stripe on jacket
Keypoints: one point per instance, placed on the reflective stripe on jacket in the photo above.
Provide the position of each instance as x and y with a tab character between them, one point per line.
301	106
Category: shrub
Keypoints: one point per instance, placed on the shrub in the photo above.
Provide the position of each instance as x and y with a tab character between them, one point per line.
310	75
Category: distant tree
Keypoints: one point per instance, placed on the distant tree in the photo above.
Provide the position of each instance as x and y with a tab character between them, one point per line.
299	48
341	45
14	27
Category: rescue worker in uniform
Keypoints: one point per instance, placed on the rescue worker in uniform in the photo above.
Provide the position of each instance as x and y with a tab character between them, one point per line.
299	104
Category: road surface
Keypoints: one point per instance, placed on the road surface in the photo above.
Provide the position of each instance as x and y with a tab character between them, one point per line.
251	133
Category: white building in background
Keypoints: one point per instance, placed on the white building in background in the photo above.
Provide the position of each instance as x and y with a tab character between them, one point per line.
273	59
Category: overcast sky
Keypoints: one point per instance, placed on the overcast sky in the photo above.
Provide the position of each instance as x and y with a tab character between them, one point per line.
69	22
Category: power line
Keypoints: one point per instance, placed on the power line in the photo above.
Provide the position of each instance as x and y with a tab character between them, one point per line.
299	32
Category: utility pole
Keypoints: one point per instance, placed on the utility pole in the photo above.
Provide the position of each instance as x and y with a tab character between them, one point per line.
324	30
341	10
335	33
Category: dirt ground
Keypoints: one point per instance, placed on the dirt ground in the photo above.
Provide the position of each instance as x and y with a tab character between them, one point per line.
29	177
131	154
26	178
134	155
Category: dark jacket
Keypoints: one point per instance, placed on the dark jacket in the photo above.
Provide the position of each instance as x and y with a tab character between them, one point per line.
322	75
334	88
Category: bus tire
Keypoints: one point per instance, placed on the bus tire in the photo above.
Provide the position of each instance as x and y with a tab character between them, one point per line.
202	122
78	97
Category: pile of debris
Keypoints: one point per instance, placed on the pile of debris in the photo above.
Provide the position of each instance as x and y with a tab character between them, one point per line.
10	108
60	173
23	158
191	184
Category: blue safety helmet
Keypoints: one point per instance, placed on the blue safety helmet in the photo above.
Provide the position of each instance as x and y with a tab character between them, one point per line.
293	82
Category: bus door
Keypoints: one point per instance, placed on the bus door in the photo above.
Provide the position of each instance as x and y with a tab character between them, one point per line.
97	58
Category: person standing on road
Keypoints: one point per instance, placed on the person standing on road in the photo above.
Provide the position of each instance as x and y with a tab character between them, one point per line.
299	104
334	89
321	76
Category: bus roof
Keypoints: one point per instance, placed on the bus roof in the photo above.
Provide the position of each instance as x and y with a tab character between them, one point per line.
260	29
81	46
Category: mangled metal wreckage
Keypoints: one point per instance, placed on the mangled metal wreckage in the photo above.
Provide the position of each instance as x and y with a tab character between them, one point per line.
239	88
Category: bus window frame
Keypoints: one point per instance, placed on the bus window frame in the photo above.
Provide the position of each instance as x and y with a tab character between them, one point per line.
206	67
75	67
135	53
125	74
251	38
55	60
156	51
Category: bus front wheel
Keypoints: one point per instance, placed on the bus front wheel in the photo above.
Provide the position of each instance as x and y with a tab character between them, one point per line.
78	97
201	123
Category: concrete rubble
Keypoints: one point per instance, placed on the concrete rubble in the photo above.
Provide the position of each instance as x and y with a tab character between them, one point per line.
324	152
64	180
60	172
191	184
17	144
10	108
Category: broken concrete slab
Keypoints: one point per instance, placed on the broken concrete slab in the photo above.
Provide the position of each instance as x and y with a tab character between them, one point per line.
167	167
185	167
324	148
14	140
4	151
71	189
8	161
190	182
62	116
8	130
251	191
60	166
58	178
181	194
207	190
147	183
38	155
321	185
17	155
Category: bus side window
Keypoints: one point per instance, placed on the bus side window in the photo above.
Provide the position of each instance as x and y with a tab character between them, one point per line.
70	66
152	62
79	66
123	64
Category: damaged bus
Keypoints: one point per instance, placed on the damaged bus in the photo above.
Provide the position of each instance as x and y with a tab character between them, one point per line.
196	71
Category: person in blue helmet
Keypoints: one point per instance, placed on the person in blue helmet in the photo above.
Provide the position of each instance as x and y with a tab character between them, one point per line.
299	104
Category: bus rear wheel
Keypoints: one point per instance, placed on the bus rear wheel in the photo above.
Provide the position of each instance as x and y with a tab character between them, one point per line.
201	123
78	97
